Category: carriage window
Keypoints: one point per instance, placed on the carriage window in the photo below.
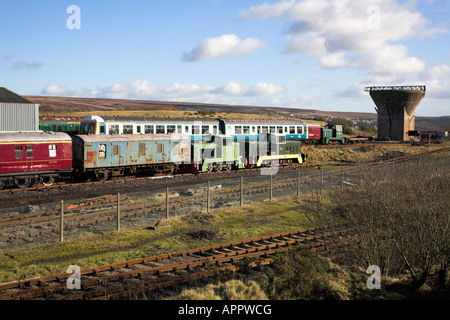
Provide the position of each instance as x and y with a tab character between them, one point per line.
179	129
102	150
115	150
280	129
114	129
29	151
54	127
170	129
291	129
160	129
247	129
127	129
238	129
18	152
138	129
264	129
214	129
102	129
149	129
159	148
195	129
272	129
205	129
186	129
52	150
300	129
253	129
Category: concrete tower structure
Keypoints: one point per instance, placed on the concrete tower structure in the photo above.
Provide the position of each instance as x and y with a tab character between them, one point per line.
396	108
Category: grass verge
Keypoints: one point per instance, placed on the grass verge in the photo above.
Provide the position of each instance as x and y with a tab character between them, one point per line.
194	230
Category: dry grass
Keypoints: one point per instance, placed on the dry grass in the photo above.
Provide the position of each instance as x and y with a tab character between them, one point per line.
230	290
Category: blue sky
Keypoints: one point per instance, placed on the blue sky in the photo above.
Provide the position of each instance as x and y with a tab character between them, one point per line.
312	54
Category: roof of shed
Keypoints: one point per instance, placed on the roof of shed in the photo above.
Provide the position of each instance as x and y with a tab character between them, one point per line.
7	96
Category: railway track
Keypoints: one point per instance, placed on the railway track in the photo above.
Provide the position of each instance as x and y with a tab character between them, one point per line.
157	179
100	209
180	177
157	272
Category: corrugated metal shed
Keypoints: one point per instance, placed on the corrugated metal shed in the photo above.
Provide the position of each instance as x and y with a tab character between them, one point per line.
17	113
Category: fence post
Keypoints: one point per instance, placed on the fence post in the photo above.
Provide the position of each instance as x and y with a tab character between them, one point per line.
271	185
241	198
167	202
208	198
118	212
321	181
298	184
61	223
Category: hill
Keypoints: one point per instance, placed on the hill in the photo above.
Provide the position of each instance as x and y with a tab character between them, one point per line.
68	106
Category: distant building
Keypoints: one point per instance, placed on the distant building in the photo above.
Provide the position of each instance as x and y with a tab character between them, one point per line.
17	113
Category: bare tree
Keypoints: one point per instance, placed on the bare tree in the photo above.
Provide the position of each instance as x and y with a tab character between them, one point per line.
401	216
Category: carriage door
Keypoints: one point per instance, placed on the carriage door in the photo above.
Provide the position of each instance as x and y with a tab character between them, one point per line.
118	154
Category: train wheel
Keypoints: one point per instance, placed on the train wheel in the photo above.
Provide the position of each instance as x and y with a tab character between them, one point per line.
23	182
102	175
227	167
48	181
210	167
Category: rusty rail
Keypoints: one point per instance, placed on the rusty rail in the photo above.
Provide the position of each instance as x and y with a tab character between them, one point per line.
168	269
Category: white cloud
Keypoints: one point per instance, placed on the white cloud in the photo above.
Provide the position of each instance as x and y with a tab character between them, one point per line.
437	79
30	66
341	33
223	46
141	89
366	35
265	89
266	10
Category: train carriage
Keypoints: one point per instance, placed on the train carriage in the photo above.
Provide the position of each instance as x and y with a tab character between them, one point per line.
314	133
273	149
216	153
196	128
104	156
69	125
250	129
28	158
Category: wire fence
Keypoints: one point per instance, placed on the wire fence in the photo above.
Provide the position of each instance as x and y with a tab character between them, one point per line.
67	220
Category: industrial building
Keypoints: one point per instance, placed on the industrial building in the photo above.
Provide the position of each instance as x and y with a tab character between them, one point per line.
17	114
396	108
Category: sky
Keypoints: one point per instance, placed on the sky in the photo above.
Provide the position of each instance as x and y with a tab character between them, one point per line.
307	54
